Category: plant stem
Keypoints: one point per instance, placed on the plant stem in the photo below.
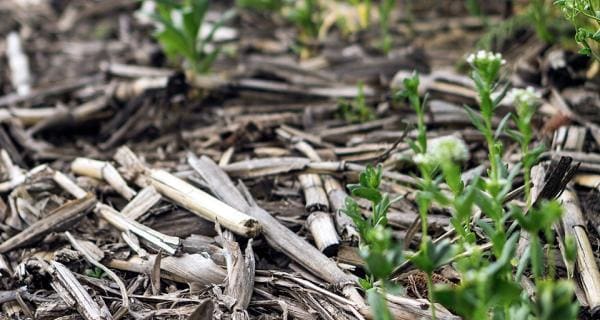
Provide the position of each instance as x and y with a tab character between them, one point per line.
527	182
430	294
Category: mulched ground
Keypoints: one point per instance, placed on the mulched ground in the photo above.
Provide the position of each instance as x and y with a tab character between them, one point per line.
99	82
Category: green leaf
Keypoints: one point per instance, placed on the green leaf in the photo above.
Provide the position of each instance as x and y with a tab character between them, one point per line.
476	119
570	246
555	300
378	305
502	126
432	256
366	283
370	194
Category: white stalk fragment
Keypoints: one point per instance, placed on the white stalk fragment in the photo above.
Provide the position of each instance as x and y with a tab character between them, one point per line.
167	243
203	204
64	182
127	225
141	203
323	231
75	295
127	90
314	193
19	64
15	174
103	170
573	224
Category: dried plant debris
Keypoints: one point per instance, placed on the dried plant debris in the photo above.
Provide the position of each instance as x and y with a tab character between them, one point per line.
206	173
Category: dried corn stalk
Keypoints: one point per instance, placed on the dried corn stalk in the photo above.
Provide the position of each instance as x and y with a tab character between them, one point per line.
103	170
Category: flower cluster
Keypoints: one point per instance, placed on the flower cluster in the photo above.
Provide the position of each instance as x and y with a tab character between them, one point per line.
485	57
444	149
487	65
524	98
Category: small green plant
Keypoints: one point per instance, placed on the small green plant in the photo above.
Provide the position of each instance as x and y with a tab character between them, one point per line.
357	110
540	13
473	7
385	15
379	250
306	16
490	281
180	32
95	273
260	5
525	102
534	14
363	7
585	16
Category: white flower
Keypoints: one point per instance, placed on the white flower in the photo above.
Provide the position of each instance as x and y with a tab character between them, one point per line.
424	159
524	96
449	148
485	57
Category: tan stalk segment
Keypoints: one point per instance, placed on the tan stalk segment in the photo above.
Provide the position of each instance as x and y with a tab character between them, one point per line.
103	170
203	204
75	295
574	224
337	197
314	194
168	243
141	203
60	219
323	231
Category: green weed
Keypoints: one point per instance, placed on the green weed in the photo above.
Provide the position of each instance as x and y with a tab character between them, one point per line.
357	110
490	286
585	16
180	35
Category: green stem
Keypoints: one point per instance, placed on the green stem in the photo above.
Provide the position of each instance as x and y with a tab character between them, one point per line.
430	294
527	182
489	137
423	213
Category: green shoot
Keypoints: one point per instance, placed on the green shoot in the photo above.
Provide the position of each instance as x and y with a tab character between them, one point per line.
526	102
381	253
539	12
490	286
473	7
95	273
486	73
537	15
306	16
364	11
260	5
180	33
357	110
385	11
585	16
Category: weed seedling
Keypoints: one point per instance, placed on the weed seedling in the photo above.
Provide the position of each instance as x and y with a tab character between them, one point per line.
357	110
306	16
378	249
385	12
180	32
95	273
363	7
525	102
585	16
260	5
490	286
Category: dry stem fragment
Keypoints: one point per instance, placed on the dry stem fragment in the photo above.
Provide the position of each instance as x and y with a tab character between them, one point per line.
58	220
573	224
168	243
91	259
103	170
322	229
75	295
203	204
